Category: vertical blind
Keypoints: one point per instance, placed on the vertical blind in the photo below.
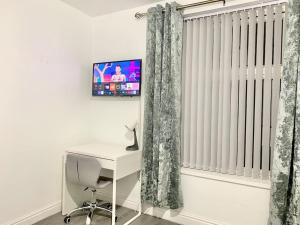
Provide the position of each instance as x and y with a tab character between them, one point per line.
231	82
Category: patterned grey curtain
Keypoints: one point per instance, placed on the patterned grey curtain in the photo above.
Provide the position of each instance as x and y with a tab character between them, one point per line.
161	136
285	193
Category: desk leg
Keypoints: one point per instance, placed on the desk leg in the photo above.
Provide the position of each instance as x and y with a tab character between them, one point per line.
68	202
140	203
113	220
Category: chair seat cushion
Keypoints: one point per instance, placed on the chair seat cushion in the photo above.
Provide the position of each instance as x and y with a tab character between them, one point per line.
103	182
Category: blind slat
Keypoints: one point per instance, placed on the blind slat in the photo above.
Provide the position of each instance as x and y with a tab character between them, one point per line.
193	86
234	93
267	94
258	94
284	27
200	96
187	103
219	152
242	94
215	93
250	93
226	94
208	93
184	45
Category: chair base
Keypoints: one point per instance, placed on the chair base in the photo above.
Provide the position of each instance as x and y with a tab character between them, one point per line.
90	207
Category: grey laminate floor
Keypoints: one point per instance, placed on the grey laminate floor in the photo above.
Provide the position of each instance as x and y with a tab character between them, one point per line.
124	215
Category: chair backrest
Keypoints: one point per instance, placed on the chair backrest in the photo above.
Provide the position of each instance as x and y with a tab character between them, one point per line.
72	168
83	170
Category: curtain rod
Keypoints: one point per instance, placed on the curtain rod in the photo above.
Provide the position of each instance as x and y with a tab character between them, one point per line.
235	8
139	15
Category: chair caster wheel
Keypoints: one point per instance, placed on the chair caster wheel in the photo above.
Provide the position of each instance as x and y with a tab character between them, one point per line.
116	219
85	204
67	219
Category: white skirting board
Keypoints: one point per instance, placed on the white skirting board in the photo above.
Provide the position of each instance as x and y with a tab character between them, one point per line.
37	215
181	217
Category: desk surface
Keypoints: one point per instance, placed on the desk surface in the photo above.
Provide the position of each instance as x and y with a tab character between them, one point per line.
102	150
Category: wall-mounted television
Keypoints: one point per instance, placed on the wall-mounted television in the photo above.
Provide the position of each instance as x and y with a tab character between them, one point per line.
117	78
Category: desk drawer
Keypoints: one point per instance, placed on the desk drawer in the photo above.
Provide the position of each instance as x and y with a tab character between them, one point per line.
105	163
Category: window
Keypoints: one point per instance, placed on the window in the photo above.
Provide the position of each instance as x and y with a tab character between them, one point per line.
231	85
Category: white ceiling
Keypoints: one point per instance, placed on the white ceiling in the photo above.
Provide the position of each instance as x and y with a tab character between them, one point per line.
100	7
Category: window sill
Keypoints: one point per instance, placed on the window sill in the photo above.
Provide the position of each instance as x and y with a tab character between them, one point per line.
239	180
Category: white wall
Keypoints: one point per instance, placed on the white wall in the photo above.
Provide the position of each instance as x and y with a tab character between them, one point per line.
116	37
44	91
207	199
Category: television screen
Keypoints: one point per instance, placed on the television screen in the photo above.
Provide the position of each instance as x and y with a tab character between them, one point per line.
118	78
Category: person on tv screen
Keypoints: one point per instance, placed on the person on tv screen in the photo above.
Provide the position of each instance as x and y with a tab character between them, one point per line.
101	73
118	76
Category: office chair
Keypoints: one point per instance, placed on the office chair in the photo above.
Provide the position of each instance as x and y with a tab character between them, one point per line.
85	171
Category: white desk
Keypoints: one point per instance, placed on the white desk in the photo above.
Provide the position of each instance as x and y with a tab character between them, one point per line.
112	157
